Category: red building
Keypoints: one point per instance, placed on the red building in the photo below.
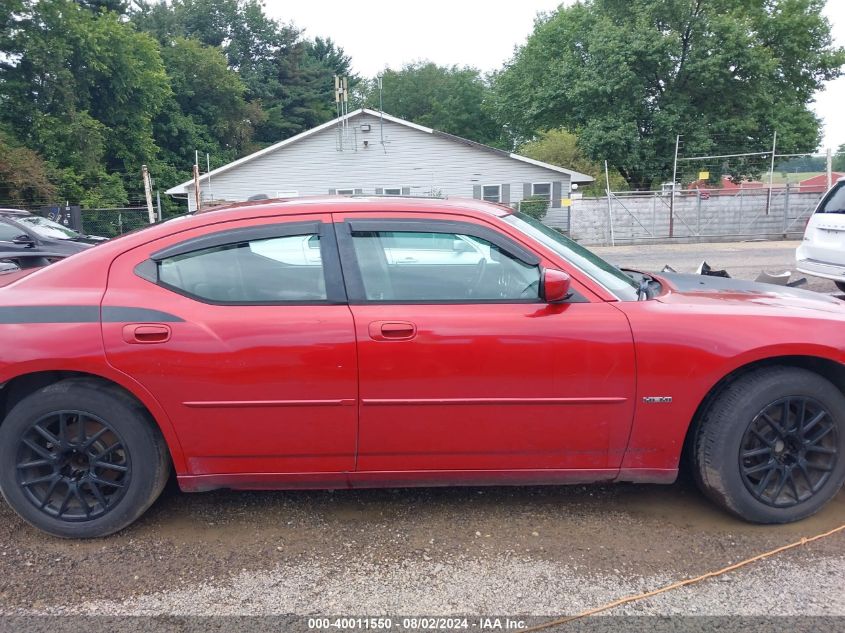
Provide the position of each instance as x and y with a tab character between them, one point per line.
818	184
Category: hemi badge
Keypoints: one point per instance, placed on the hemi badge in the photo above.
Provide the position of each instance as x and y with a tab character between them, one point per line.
657	399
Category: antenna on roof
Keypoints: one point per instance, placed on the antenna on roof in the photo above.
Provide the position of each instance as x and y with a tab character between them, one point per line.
341	99
381	111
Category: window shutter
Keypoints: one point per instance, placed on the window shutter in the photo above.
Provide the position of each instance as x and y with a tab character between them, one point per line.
406	191
332	192
379	191
358	192
506	194
476	192
526	190
556	193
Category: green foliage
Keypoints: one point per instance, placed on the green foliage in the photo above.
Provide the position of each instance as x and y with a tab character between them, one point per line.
535	206
96	88
288	81
560	147
451	99
628	75
81	87
24	179
838	162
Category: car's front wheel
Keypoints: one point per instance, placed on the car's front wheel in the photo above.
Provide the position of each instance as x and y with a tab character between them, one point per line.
80	459
771	447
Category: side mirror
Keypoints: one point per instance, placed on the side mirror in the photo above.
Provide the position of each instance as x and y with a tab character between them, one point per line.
24	239
556	285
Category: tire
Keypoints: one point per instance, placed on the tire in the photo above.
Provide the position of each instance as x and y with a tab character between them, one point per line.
840	285
760	469
81	459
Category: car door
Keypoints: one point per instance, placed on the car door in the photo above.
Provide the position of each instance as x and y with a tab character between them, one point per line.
8	233
248	344
462	367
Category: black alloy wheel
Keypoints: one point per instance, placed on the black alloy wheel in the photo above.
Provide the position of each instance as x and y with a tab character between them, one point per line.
81	458
73	465
789	451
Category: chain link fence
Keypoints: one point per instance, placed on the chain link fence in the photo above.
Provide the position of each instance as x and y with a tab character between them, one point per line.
113	222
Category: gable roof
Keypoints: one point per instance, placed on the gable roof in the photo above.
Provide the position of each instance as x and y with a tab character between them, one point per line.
576	177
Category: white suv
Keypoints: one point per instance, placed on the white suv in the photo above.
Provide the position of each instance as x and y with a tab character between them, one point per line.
822	252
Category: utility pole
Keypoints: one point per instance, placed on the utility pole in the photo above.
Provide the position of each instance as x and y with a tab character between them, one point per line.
609	205
829	168
158	204
771	172
197	197
148	193
208	171
674	186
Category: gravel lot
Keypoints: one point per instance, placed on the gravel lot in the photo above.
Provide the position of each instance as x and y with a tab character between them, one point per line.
532	550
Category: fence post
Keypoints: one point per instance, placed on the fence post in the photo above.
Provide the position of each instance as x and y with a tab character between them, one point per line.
786	210
569	219
654	214
698	203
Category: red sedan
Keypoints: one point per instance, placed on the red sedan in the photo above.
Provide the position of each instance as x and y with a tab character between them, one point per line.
344	343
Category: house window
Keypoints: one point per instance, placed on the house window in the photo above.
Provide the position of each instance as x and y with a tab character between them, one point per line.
492	193
393	191
542	189
345	192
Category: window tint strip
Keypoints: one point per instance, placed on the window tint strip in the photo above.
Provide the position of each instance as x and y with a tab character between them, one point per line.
234	236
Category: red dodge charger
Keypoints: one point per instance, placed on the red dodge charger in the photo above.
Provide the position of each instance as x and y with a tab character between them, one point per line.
351	342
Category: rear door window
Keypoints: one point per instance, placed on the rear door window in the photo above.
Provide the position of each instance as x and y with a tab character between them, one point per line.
834	201
274	270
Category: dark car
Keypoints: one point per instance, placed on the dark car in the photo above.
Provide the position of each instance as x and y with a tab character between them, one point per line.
27	232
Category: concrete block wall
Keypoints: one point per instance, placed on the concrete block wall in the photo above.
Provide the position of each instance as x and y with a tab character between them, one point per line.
645	218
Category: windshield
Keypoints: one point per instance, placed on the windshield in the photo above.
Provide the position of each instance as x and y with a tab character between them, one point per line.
606	274
834	201
47	228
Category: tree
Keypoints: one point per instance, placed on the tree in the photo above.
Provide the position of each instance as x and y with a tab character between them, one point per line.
24	178
288	80
628	75
838	162
206	110
560	147
451	99
81	88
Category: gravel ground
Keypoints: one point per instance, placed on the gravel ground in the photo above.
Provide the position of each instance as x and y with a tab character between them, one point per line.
528	550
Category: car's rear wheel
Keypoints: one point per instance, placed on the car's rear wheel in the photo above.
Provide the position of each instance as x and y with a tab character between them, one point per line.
80	459
771	447
840	285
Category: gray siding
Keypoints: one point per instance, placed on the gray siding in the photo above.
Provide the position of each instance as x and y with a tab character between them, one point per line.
414	160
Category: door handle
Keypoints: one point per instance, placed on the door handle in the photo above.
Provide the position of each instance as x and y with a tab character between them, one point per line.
146	333
392	330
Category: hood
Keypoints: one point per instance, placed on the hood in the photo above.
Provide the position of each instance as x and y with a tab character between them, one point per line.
707	289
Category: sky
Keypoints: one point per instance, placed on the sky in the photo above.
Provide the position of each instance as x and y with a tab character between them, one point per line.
479	33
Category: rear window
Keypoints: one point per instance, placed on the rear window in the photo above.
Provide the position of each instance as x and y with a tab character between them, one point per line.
834	201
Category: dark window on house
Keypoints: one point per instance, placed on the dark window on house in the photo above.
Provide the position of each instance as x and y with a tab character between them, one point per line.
492	193
542	189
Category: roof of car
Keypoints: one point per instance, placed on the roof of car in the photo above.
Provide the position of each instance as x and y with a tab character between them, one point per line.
337	203
18	212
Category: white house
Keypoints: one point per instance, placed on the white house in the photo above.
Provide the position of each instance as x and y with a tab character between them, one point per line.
367	152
